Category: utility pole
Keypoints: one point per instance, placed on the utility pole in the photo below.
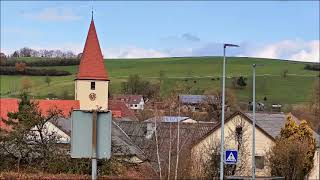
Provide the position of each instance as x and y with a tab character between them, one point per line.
94	145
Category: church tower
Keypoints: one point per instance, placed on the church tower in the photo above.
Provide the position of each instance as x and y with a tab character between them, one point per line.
91	83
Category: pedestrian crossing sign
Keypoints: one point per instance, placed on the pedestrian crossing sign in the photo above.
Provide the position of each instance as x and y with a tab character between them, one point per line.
231	156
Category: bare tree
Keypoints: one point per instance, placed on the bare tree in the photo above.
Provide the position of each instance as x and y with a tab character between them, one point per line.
212	104
157	143
178	147
170	146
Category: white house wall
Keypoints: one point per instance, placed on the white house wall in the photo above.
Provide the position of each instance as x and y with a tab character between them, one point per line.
140	105
51	128
263	143
315	172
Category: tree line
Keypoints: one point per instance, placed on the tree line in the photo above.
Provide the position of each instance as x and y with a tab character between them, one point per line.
28	52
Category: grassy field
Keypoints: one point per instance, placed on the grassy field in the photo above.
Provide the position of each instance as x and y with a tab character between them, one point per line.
198	71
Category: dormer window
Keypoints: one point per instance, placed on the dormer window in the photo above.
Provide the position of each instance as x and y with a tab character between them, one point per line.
93	85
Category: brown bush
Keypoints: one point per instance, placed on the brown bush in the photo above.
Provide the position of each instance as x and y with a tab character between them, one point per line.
21	67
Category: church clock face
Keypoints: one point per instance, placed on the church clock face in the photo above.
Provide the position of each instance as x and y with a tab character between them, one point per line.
92	96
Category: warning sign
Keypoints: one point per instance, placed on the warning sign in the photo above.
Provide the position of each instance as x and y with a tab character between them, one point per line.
231	157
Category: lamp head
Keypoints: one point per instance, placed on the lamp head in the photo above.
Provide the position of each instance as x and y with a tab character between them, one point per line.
230	45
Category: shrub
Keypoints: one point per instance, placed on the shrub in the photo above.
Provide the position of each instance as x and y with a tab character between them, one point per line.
20	67
285	73
312	67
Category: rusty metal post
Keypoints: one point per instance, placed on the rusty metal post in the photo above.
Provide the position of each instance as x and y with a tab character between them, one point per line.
94	145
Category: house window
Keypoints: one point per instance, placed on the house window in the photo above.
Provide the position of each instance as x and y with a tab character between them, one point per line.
259	162
239	134
93	85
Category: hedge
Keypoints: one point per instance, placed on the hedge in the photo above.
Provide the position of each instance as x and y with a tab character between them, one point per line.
42	62
32	72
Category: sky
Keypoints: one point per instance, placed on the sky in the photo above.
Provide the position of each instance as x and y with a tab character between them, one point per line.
146	29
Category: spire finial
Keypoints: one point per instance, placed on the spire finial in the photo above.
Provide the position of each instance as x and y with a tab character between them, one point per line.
92	10
92	15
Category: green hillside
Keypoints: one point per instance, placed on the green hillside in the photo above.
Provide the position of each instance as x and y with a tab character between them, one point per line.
199	71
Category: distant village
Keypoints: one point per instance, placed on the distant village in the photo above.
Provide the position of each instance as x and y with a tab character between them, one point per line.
176	138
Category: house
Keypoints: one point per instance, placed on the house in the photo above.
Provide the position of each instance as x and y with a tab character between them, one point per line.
171	119
121	112
259	106
149	135
2	56
268	126
122	146
134	102
195	101
276	107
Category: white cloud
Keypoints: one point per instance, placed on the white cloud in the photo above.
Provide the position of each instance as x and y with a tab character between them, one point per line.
190	37
54	14
298	50
133	52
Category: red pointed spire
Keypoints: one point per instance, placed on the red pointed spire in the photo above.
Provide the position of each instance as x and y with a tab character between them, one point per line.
92	63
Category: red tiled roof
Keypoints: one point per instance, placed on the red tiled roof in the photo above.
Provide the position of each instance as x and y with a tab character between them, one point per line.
92	63
11	105
65	105
116	114
115	106
118	108
7	105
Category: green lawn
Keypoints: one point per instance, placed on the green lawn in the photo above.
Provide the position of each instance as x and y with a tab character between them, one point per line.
295	88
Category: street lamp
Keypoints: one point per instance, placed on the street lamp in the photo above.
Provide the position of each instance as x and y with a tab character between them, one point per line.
223	103
254	120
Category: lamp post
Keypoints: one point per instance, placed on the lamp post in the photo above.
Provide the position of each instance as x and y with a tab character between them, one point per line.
223	103
254	120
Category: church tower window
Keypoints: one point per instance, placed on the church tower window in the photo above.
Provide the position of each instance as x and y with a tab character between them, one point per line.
93	85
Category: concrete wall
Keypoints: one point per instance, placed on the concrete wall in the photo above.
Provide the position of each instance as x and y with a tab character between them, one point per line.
83	89
200	152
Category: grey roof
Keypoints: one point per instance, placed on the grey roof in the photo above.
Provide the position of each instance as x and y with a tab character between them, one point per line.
272	123
167	119
143	135
64	124
193	99
122	145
